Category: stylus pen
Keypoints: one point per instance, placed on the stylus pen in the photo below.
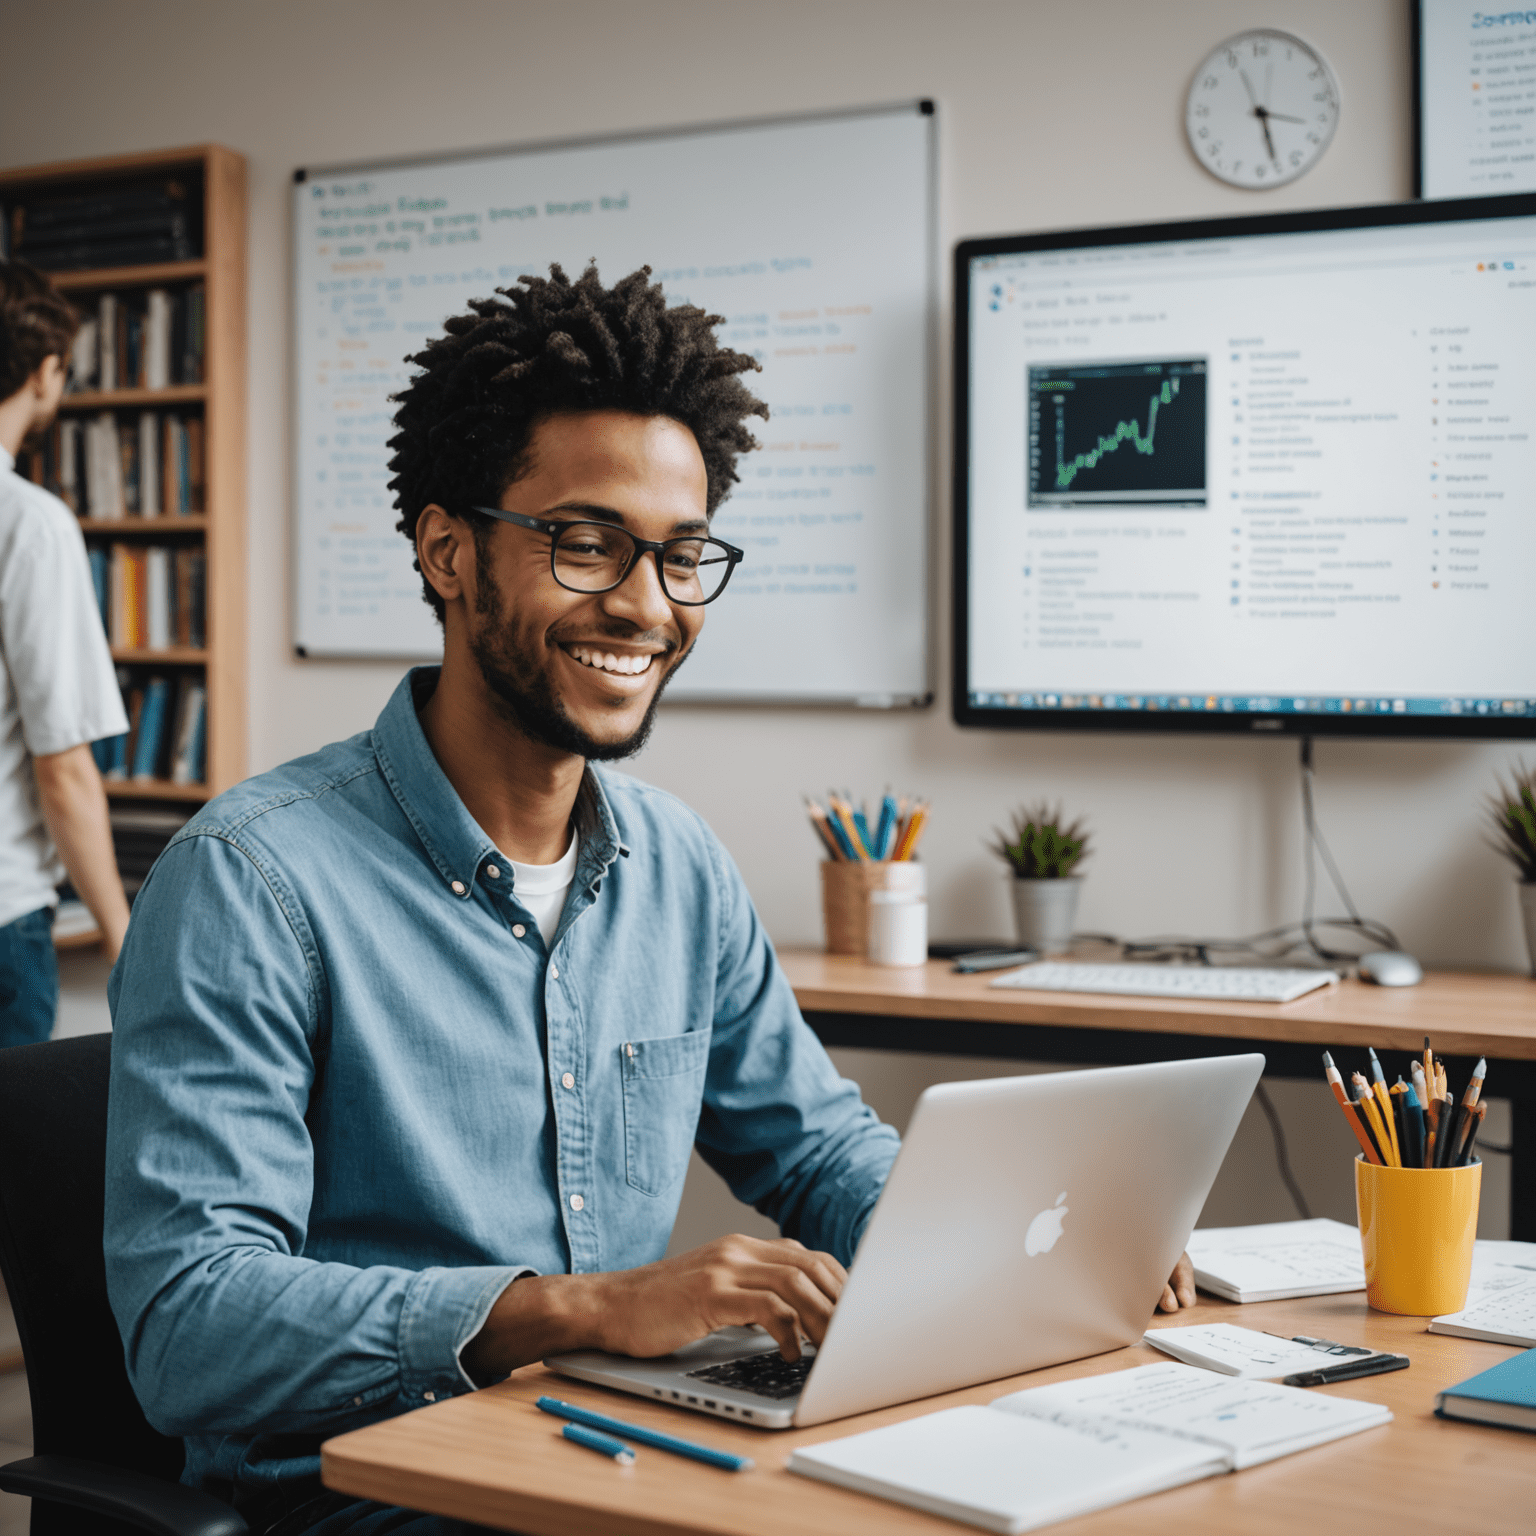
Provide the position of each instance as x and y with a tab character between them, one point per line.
605	1444
651	1437
1377	1365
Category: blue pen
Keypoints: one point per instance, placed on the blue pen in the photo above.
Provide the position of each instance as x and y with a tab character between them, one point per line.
649	1437
605	1444
885	828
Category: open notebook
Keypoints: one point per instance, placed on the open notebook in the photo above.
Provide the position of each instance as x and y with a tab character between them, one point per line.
1277	1260
1501	1300
1050	1453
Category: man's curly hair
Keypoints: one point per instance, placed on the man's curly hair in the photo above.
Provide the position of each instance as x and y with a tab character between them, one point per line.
464	422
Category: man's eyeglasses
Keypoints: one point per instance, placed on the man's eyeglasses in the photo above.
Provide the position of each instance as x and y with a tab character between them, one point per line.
596	557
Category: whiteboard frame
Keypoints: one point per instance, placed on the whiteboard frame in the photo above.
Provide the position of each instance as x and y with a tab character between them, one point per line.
922	107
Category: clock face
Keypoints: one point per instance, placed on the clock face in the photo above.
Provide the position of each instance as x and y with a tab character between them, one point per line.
1261	110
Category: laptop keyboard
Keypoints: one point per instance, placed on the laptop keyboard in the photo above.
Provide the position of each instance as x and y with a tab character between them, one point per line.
767	1374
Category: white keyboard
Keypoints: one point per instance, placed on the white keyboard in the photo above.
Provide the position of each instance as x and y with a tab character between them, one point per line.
1214	983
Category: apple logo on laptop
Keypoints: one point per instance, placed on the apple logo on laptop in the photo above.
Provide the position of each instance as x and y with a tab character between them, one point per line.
1046	1228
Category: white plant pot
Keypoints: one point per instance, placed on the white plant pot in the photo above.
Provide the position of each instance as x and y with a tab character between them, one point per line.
1528	911
1044	912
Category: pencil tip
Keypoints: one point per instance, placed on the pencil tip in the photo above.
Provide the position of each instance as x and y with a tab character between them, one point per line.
1328	1060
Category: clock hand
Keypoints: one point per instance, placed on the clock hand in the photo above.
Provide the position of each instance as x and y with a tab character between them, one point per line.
1263	118
1252	99
1280	117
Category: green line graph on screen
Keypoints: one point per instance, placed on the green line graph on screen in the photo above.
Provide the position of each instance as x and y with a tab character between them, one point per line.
1117	433
1125	432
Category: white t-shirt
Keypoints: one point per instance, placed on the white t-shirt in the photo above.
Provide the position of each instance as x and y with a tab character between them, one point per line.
542	888
60	691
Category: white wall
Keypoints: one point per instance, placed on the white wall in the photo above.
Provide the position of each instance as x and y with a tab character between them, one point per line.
1051	115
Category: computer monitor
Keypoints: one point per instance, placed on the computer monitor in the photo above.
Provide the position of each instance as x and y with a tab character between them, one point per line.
1262	474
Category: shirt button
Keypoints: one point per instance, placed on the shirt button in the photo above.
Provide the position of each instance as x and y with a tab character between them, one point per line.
518	930
458	887
493	872
577	1202
568	1081
554	971
430	1397
357	1402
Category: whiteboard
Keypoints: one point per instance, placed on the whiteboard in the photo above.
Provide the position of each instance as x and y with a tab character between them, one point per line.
1476	99
814	237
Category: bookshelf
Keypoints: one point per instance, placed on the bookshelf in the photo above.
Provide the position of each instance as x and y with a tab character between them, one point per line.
217	178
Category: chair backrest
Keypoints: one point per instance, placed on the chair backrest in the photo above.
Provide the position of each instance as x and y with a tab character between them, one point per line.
53	1158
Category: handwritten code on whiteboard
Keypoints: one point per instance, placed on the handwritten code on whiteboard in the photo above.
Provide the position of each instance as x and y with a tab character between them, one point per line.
812	237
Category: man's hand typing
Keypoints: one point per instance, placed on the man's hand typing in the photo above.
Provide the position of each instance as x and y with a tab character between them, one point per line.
734	1281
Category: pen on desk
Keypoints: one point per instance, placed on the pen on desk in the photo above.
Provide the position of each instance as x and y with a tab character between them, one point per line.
1413	1115
1426	1115
823	832
1478	1111
1379	1081
605	1445
651	1437
1374	1365
885	828
1336	1083
1372	1111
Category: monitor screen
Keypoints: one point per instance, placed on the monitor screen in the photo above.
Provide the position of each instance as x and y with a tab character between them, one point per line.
1273	473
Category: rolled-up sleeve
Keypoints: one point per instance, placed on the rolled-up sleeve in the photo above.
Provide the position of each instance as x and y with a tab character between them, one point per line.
788	1134
219	1024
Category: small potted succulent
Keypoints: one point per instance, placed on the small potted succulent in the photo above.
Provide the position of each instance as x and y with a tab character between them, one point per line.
1513	810
1043	852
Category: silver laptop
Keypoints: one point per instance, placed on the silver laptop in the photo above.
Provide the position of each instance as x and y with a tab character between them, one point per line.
1027	1221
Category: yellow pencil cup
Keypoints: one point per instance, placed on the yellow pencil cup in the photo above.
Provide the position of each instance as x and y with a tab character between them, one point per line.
1417	1226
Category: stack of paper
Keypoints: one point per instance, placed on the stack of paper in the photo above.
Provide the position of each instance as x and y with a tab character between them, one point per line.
1278	1260
1050	1453
1501	1300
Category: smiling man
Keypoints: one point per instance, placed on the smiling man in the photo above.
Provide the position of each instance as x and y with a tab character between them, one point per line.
414	1035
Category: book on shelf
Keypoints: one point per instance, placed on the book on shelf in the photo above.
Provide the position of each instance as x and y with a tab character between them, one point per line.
157	597
152	220
149	340
167	731
110	466
139	836
1050	1453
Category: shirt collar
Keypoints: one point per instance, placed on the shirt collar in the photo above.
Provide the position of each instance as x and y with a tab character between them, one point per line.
455	842
7	460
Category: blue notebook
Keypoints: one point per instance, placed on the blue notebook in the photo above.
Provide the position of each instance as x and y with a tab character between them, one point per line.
1504	1395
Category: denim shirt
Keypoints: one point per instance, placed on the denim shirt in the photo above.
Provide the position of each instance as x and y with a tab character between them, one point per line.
355	1094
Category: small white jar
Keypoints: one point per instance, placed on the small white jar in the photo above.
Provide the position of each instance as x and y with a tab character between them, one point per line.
898	928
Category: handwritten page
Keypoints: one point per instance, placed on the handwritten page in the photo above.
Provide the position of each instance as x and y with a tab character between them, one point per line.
1003	1474
1242	1352
1278	1259
1253	1421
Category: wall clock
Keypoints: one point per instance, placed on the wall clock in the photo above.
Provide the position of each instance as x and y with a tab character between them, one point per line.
1261	110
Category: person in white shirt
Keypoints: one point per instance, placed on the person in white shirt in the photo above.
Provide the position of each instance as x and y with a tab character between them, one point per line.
59	690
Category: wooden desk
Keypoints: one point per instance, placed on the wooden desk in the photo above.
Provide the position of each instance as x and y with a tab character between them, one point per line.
492	1458
931	1009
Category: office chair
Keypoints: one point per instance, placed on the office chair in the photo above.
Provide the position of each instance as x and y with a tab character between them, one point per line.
99	1469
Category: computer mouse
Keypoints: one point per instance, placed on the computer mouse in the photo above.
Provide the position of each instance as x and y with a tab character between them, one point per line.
1390	968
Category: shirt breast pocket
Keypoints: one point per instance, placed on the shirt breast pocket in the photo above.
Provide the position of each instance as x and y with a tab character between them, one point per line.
663	1089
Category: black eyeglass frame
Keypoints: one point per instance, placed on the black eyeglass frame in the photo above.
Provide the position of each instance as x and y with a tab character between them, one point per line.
555	526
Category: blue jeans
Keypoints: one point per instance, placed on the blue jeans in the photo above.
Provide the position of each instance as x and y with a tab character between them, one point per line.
29	979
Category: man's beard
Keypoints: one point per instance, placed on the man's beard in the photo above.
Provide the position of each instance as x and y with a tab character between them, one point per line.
526	693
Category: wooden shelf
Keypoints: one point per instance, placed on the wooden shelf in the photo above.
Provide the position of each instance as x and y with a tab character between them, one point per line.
114	399
115	527
152	275
171	656
155	789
